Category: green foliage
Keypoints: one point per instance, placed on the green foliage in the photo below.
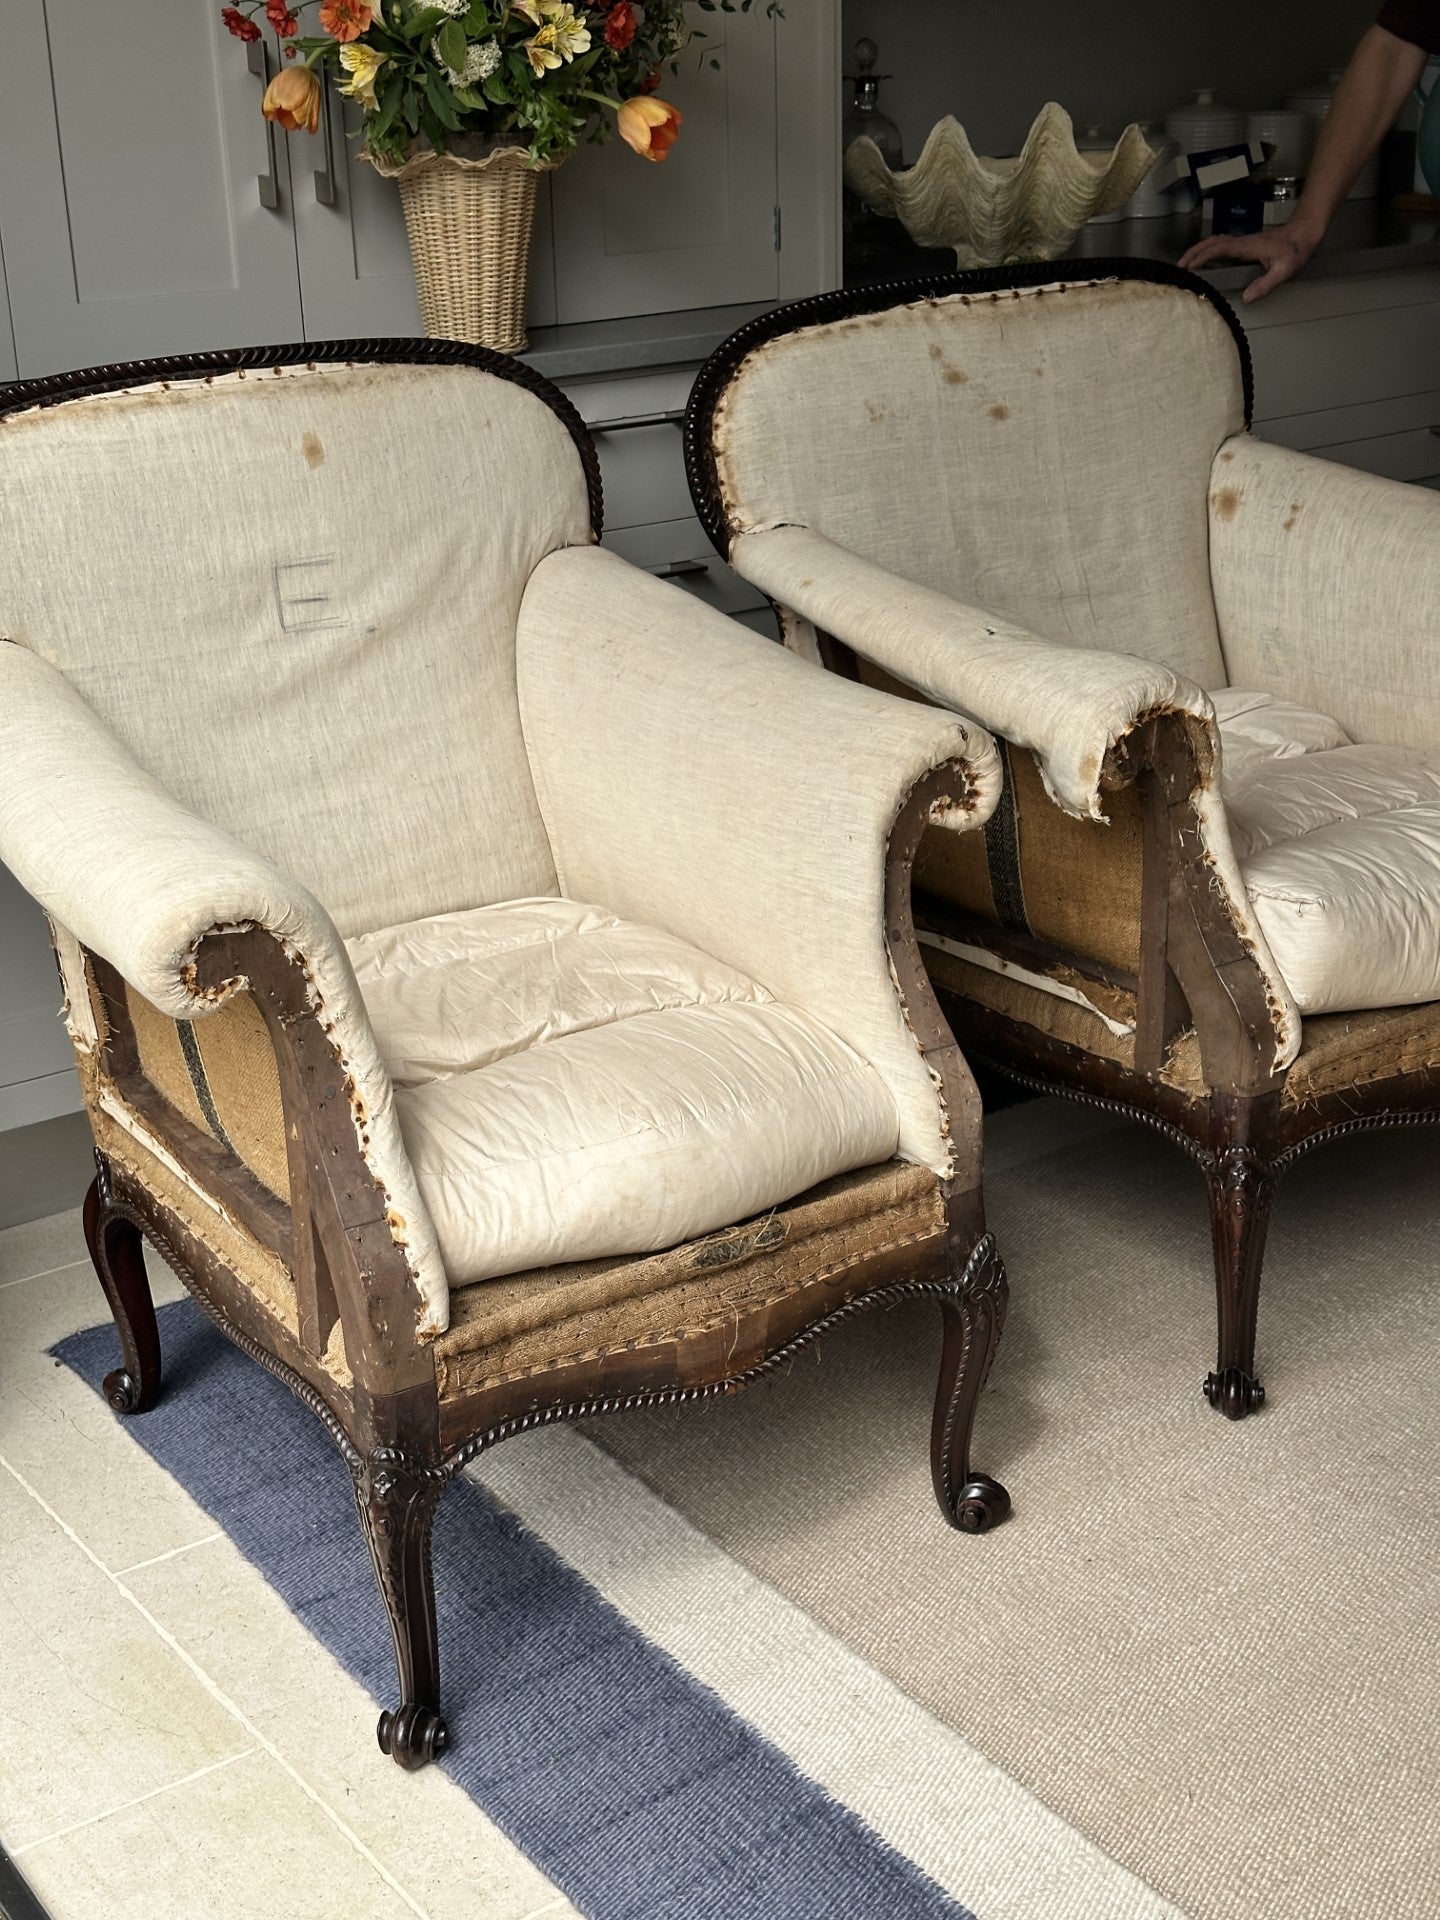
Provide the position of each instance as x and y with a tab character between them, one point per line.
478	72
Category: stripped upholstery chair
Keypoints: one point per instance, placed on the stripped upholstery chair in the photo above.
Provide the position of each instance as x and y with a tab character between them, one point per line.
491	973
1210	896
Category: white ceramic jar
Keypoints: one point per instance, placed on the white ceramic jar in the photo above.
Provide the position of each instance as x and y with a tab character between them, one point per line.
1316	102
1205	124
1292	135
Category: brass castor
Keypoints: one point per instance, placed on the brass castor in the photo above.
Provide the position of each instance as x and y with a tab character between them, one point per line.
980	1504
413	1736
1233	1392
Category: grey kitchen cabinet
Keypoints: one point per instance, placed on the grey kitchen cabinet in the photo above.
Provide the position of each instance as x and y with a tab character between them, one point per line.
7	337
37	1066
635	421
745	206
130	233
1347	368
699	230
134	173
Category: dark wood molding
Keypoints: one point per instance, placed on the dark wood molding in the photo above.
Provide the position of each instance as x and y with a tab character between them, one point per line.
56	388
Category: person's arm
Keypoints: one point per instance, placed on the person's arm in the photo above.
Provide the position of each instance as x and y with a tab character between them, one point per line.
1382	72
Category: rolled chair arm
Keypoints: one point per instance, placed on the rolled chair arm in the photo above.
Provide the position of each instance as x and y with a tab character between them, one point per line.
1089	717
1327	583
697	777
140	880
1070	705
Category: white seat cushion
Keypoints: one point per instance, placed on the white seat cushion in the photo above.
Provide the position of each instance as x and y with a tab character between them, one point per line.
571	1085
1339	846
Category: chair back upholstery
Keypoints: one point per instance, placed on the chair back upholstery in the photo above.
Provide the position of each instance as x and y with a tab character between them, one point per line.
1041	449
289	581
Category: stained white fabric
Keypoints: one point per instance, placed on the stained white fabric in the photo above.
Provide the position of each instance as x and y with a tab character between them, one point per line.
292	597
696	777
1257	727
458	991
572	1086
1069	704
134	876
1043	452
1327	584
1339	848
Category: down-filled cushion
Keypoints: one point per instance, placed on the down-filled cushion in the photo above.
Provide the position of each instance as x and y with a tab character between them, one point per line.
1339	846
571	1085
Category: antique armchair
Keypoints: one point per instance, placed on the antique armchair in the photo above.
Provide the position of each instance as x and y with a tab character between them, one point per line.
491	973
1210	895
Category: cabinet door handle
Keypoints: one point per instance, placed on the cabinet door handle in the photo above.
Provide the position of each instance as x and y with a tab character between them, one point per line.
325	193
680	569
269	185
671	418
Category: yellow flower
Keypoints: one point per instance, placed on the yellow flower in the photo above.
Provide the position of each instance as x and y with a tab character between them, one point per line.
559	39
362	63
541	51
532	10
572	36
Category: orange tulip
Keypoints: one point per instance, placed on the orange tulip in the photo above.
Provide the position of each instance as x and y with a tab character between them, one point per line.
649	125
292	100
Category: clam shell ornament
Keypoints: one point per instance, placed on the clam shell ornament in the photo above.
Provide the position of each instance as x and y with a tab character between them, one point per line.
995	212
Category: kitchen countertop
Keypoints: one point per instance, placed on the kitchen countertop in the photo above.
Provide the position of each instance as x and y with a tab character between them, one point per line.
1365	237
635	343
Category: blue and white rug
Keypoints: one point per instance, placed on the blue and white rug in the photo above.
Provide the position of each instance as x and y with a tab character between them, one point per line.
660	1732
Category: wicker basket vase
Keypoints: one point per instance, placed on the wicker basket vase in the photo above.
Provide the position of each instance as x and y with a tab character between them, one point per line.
469	223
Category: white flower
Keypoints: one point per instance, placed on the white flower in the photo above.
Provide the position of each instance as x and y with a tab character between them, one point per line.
481	60
453	7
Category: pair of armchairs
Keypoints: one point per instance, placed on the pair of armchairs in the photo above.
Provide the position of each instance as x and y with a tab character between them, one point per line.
491	974
1209	896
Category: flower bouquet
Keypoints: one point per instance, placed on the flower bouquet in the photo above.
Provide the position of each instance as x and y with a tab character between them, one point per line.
465	103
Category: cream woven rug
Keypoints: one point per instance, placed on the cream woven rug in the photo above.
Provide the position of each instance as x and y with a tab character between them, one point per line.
1211	1648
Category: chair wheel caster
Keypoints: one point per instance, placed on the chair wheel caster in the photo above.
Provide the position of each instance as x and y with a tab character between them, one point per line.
1233	1392
413	1736
122	1391
980	1504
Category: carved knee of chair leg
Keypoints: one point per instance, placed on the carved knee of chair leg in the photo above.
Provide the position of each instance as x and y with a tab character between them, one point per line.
397	1497
118	1255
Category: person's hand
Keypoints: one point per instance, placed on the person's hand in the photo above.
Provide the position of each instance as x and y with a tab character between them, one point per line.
1280	252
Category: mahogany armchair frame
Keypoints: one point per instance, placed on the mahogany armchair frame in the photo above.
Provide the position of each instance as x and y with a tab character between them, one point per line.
402	1433
1194	971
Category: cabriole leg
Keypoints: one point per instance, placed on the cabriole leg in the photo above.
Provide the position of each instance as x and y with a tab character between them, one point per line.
119	1258
1241	1188
397	1500
974	1316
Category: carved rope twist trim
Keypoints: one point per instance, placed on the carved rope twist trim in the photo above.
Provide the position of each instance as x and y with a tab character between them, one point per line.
396	1461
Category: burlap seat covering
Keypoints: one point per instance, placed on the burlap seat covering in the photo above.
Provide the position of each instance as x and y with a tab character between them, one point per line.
1072	882
1338	1050
1355	1049
221	1074
262	1271
532	1323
